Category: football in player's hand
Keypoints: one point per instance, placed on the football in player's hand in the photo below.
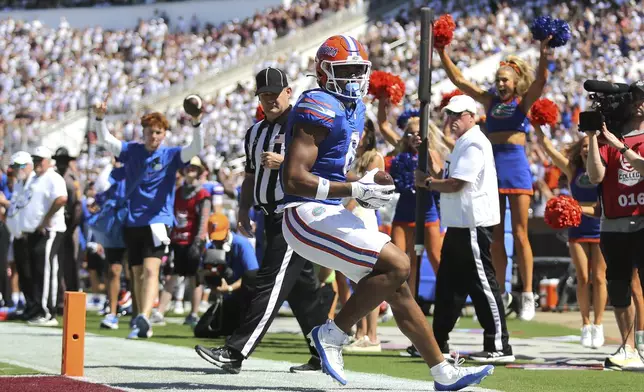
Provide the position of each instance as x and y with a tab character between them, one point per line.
383	178
193	105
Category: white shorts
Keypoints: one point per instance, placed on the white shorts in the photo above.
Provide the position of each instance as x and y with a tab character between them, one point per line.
331	236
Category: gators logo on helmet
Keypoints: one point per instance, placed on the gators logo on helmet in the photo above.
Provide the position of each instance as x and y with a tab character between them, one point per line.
342	67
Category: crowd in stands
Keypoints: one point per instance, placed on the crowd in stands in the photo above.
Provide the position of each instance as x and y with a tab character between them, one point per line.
47	71
42	81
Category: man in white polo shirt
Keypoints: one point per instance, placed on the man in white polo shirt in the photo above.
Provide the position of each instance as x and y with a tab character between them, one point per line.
469	208
23	167
41	224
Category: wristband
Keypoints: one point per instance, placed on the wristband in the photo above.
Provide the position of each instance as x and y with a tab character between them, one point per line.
624	149
323	189
230	289
428	182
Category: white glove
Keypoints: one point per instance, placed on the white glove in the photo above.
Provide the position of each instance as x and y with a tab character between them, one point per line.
369	194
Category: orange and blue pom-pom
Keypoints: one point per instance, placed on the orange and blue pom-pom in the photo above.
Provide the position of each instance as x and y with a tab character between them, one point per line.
385	85
447	96
443	31
543	112
562	212
403	119
544	26
259	114
562	34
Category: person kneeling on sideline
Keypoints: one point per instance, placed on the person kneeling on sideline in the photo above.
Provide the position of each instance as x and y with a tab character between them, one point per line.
229	268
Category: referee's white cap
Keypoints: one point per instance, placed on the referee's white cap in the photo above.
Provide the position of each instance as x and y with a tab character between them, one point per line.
461	103
21	158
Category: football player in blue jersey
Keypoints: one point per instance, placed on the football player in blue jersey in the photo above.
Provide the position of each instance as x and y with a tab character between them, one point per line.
323	131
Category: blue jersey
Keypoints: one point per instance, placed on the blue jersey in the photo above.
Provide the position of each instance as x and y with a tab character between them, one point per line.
506	116
116	190
153	199
4	186
215	190
337	152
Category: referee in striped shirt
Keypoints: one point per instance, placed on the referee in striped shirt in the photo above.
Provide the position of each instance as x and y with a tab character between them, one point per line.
283	274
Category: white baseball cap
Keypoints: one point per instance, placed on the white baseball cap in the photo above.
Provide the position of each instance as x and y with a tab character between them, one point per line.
461	103
21	158
42	152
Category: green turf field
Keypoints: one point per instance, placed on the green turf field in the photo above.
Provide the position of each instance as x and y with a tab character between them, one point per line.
290	347
7	369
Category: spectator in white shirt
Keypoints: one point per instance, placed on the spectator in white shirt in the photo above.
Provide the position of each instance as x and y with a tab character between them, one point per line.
41	224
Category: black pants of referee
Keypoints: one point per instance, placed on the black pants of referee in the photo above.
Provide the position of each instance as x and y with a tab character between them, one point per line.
466	269
282	275
36	257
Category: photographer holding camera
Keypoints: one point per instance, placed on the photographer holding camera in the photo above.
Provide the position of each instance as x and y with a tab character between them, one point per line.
229	269
617	166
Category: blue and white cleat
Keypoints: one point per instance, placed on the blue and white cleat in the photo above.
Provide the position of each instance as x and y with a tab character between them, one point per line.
449	377
110	321
328	340
134	333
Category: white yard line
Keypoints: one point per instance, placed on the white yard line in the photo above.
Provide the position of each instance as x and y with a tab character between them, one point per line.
149	366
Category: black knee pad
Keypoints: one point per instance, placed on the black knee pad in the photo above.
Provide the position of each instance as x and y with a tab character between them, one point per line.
619	292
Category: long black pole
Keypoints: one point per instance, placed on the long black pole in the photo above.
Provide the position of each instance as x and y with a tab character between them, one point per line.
424	94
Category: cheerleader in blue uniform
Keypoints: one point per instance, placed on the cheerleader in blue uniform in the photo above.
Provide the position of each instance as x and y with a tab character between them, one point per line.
402	171
583	241
506	108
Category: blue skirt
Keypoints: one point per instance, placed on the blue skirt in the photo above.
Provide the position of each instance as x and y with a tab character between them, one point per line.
512	169
588	230
406	209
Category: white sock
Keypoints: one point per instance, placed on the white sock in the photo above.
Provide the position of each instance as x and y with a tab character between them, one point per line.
22	298
438	369
15	298
639	337
180	288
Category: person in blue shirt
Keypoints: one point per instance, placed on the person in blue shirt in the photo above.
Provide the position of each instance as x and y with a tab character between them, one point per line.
113	248
150	173
240	255
322	135
229	267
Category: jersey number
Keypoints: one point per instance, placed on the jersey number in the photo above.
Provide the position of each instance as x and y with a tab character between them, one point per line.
631	199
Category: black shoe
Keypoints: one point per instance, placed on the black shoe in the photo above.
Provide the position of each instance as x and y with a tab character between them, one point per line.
504	356
313	365
222	357
413	352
